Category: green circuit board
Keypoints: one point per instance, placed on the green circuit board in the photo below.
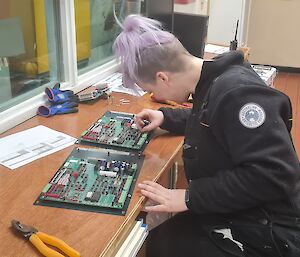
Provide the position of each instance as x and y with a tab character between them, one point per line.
116	130
93	180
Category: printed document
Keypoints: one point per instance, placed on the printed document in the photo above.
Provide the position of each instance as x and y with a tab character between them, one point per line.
24	147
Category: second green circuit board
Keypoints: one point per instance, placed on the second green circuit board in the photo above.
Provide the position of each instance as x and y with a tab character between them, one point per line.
116	130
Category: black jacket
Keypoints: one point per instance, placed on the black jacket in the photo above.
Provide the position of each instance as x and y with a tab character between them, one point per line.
238	153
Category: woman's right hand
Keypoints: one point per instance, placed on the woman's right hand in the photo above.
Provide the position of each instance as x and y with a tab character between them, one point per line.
155	119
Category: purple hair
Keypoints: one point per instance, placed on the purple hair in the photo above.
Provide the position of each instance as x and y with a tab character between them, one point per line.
144	48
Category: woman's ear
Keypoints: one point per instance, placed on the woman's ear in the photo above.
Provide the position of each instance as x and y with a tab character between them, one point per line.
162	77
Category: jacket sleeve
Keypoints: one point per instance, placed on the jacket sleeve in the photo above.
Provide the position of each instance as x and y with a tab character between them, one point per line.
266	166
175	119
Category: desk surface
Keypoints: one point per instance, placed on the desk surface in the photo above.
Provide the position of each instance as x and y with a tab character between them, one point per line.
245	50
92	234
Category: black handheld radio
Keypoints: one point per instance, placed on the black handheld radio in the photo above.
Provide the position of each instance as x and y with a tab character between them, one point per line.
234	43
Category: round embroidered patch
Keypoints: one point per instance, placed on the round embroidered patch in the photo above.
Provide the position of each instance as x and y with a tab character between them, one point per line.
252	115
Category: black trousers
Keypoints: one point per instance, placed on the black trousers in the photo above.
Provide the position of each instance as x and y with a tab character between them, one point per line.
191	235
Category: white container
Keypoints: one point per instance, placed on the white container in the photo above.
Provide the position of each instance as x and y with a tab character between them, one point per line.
267	73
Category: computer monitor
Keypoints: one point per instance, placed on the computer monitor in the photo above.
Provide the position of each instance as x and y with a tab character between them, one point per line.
191	30
161	10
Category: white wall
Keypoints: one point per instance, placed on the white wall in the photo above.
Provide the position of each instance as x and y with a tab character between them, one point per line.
223	16
222	21
274	32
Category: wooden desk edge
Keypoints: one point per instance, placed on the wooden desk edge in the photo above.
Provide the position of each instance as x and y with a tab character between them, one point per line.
120	236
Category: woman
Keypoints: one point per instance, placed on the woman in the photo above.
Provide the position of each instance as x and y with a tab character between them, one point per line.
243	171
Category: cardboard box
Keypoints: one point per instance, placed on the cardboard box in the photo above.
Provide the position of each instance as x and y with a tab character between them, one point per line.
267	73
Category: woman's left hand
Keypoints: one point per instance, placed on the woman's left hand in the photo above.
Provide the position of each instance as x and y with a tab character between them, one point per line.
168	200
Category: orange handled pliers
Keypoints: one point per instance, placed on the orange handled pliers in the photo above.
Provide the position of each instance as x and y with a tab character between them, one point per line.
39	239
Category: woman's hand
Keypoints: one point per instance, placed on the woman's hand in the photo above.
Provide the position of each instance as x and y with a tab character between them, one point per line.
155	119
167	200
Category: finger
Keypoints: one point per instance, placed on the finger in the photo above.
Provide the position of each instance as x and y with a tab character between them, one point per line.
150	189
144	114
139	125
149	202
153	197
149	127
155	185
156	208
139	121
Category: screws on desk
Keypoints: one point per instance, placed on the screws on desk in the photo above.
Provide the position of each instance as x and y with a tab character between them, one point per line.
124	101
112	100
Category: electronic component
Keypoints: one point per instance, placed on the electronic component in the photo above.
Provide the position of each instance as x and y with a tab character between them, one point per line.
101	90
89	96
116	130
266	73
93	180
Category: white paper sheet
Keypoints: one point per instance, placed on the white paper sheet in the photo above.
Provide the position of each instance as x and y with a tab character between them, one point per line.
24	147
134	240
115	84
215	49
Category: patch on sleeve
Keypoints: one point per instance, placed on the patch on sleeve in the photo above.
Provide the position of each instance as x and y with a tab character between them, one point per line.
252	115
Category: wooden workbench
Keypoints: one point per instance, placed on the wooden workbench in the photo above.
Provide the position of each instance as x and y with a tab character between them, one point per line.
92	234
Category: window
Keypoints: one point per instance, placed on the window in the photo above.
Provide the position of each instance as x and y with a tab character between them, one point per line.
46	41
28	60
96	31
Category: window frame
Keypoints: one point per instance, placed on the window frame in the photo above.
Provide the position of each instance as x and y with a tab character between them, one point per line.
27	109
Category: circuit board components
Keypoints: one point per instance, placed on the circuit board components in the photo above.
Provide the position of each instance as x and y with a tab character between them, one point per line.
116	130
93	180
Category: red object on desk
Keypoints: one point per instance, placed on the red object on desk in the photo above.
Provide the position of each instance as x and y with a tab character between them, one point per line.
184	1
184	105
